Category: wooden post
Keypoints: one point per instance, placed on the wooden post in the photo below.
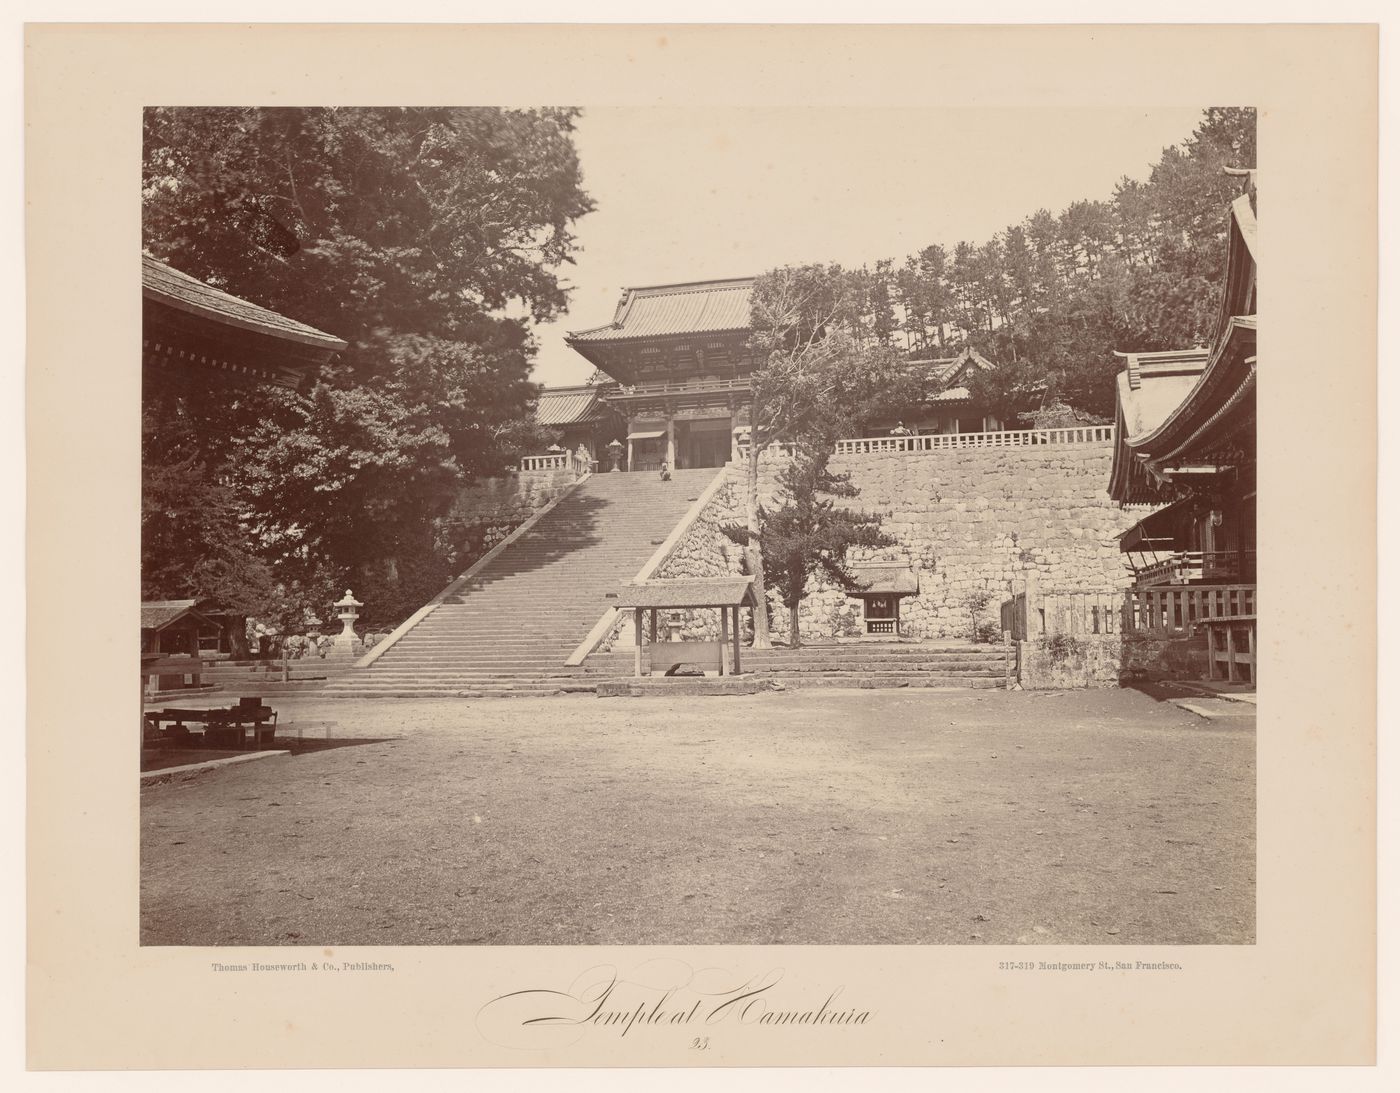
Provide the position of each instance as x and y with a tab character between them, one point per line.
629	455
671	441
723	636
737	670
637	656
1035	626
652	636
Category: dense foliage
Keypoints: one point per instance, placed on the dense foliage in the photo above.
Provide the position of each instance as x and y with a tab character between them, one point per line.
430	240
1051	297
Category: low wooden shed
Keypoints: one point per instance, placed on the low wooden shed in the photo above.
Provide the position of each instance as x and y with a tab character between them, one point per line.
725	594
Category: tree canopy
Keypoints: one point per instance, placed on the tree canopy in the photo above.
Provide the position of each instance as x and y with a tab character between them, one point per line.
1052	296
431	240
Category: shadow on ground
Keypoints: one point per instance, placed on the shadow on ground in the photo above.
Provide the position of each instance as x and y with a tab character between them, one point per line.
165	758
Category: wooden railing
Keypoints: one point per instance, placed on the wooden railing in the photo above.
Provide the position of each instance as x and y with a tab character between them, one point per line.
679	387
554	461
1172	609
777	447
1186	566
1006	438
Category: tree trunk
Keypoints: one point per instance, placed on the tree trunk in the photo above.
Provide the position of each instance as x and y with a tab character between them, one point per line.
794	626
753	551
237	634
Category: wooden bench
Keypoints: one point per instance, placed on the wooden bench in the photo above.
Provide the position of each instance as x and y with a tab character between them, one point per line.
249	716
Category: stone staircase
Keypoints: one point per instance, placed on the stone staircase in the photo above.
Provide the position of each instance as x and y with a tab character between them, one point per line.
938	665
930	664
239	678
508	629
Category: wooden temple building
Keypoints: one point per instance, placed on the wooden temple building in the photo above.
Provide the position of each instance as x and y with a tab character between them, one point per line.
191	331
1185	444
197	338
581	417
948	406
680	363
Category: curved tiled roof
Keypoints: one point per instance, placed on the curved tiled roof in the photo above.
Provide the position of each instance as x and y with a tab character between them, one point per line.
567	405
899	580
699	307
166	285
158	613
1153	385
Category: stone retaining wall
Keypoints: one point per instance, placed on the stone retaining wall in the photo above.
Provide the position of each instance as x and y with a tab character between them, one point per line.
1051	664
1148	658
510	499
488	510
967	520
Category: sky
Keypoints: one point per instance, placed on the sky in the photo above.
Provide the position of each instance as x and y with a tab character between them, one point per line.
689	194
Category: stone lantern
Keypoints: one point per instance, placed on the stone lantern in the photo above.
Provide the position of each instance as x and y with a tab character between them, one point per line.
347	610
615	451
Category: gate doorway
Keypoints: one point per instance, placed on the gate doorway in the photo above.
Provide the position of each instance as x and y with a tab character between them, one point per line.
703	443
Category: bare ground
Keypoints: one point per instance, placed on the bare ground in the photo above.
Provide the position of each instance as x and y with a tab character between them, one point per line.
837	817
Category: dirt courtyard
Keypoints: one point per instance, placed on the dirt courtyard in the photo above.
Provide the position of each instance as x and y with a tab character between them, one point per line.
809	817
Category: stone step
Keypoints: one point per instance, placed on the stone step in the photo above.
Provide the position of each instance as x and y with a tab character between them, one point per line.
411	675
863	673
474	639
874	650
425	642
476	656
269	687
452	692
902	665
884	680
880	669
371	680
856	653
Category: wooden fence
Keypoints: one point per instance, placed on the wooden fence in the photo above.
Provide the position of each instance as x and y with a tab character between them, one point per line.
1162	610
1034	614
